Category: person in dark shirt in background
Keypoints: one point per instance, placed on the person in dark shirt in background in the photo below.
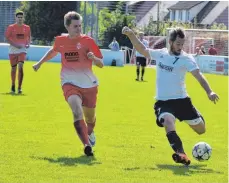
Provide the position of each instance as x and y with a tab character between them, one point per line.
212	50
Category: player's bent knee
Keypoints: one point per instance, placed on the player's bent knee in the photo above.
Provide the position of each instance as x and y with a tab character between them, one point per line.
166	119
198	125
90	120
75	103
78	115
200	130
168	123
89	114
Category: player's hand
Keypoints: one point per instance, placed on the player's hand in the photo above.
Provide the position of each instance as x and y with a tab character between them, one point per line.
127	31
90	55
27	46
213	97
36	66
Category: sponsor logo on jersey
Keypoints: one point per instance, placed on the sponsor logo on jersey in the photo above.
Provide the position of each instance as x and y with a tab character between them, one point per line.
72	56
20	36
165	67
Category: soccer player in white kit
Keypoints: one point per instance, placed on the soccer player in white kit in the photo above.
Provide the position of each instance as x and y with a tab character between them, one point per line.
172	99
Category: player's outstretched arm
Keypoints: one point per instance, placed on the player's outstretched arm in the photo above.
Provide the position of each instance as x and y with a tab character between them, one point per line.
133	53
136	43
204	83
98	61
48	56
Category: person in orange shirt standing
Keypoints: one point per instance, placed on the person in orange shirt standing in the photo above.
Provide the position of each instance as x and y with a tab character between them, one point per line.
18	35
79	84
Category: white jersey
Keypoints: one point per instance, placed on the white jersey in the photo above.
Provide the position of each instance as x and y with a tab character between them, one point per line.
171	70
146	43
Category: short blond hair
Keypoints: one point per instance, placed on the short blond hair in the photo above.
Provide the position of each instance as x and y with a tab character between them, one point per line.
71	15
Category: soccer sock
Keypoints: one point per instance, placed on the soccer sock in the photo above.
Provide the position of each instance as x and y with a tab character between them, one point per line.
81	130
90	127
20	77
138	72
143	71
175	142
13	76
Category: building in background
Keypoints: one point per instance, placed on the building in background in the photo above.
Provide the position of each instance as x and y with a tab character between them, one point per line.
205	12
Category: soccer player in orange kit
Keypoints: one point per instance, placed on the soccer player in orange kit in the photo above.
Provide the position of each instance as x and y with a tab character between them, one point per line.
18	35
79	84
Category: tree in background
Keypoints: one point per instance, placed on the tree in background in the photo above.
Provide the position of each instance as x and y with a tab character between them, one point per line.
46	18
220	26
89	10
111	24
151	28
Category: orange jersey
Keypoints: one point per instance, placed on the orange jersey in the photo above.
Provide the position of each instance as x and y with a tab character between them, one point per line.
19	35
76	67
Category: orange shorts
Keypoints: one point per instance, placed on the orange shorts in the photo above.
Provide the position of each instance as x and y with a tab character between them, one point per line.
16	58
88	95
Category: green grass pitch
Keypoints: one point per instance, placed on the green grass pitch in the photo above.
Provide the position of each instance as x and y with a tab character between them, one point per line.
38	143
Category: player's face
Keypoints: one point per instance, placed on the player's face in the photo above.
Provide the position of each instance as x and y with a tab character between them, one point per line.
19	19
74	28
177	46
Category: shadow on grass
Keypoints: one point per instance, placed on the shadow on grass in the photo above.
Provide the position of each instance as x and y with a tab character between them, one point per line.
140	81
178	169
132	169
69	161
13	94
187	170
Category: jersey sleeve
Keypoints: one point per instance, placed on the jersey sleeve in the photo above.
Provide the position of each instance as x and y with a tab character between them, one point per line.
191	64
56	45
8	32
94	48
155	54
29	35
29	31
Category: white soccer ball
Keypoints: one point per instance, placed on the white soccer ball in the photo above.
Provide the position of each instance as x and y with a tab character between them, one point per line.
202	151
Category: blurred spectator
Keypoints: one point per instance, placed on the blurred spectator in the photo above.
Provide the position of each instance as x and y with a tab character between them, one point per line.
203	50
114	46
199	51
212	50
